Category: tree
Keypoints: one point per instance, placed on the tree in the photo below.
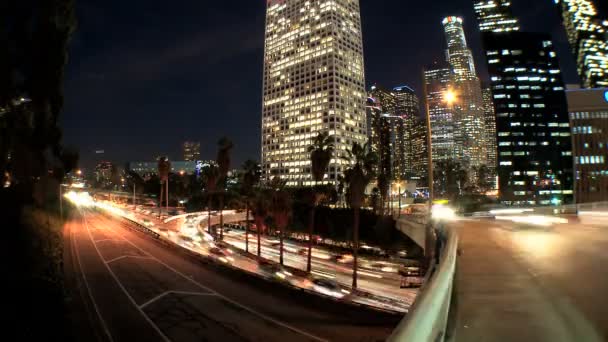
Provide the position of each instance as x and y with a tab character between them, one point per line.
483	174
320	151
363	161
450	177
250	178
260	212
210	175
280	210
225	145
384	181
35	43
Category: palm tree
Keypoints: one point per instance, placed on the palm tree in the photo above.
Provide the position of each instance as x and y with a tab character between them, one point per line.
483	174
383	187
280	210
251	177
320	151
363	161
451	176
260	212
210	175
225	145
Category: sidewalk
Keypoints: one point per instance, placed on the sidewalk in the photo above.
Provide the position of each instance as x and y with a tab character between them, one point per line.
499	299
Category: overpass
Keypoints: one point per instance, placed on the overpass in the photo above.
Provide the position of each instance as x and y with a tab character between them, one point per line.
516	281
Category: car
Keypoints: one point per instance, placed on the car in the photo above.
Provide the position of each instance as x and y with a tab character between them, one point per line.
221	255
409	271
274	270
344	258
329	287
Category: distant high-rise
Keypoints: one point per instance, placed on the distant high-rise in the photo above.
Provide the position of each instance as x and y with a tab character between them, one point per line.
438	83
418	149
589	123
489	140
313	82
408	109
533	136
386	131
192	150
468	117
588	38
495	16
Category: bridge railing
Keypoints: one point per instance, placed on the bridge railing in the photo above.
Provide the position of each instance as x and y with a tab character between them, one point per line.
428	318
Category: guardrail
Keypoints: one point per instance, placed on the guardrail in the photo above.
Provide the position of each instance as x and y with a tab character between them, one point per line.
428	318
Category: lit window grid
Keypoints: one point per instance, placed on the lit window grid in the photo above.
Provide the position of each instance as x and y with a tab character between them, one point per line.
290	122
514	111
590	154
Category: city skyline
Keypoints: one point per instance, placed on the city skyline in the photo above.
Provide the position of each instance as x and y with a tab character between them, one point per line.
197	95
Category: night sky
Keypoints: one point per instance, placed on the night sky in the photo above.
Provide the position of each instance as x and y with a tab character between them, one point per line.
145	75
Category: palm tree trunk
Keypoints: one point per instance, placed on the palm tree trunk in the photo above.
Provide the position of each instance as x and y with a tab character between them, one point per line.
247	226
281	246
259	229
311	227
209	214
221	217
356	247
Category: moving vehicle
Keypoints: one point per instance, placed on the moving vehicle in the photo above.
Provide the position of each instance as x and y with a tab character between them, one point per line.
329	287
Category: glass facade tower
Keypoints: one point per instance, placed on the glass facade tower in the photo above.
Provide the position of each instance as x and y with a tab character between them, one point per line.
588	38
313	82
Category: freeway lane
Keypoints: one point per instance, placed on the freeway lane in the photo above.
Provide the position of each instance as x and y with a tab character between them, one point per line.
532	284
143	291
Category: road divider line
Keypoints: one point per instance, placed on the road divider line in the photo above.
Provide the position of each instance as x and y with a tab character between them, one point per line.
154	326
127	256
270	319
190	293
86	283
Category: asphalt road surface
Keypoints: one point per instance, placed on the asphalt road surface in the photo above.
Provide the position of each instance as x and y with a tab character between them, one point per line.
138	290
519	283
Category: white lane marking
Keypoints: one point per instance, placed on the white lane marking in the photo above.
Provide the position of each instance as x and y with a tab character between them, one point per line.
86	283
122	286
105	240
175	292
285	325
126	256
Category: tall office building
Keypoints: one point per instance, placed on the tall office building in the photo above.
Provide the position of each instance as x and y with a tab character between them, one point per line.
468	118
438	82
489	140
386	131
419	155
408	108
589	122
533	136
495	16
313	82
588	38
192	150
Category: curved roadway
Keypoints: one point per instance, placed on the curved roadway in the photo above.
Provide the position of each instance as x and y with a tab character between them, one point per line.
138	290
517	283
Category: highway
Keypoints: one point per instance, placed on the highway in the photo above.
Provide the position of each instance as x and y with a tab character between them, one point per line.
522	283
139	290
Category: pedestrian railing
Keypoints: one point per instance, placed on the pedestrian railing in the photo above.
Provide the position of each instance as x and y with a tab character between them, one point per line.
428	318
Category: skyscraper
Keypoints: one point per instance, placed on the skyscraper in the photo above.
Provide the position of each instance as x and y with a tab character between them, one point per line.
589	122
192	150
438	84
386	131
495	16
468	118
418	147
408	109
534	143
313	82
588	38
489	140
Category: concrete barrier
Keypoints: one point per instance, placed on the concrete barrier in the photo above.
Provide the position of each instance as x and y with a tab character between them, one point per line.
427	319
